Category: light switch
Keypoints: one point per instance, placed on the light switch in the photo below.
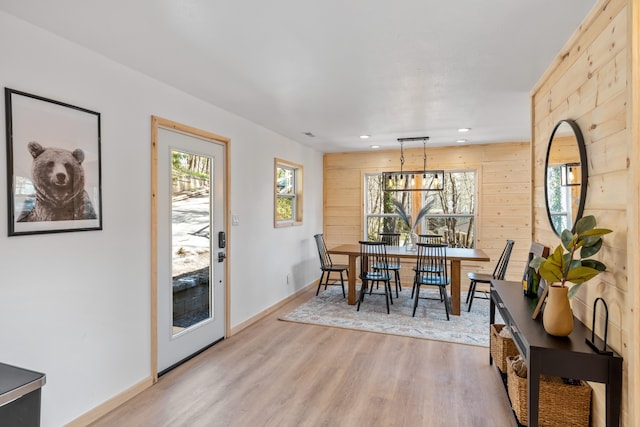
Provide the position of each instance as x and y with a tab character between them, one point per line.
235	219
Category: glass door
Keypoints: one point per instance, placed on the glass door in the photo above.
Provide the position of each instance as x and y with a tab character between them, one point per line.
191	245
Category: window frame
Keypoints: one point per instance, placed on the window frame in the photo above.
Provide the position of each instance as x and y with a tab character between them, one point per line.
473	216
296	196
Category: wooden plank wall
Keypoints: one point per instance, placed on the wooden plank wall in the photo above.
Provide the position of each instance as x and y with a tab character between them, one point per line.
504	194
589	83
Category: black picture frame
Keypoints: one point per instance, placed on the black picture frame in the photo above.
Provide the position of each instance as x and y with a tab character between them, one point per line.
54	171
537	250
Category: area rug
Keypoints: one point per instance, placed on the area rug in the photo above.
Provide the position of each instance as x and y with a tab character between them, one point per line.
329	308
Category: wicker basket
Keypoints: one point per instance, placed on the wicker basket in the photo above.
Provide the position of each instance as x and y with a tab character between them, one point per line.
560	404
501	348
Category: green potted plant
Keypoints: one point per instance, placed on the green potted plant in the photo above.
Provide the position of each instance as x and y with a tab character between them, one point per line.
569	262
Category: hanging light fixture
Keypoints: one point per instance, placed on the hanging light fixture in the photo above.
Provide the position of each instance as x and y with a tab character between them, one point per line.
406	181
570	174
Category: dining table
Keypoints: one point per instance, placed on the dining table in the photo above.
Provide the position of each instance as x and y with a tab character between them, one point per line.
454	255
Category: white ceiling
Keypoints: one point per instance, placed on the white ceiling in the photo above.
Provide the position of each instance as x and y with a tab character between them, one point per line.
336	68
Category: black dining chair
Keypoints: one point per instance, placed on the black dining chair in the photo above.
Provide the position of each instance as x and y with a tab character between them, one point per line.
431	270
430	238
327	266
393	239
373	270
498	273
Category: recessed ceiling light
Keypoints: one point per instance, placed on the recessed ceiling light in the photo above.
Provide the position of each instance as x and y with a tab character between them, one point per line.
365	136
374	146
464	129
461	141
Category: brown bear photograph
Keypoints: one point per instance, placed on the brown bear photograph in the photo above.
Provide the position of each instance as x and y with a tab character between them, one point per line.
58	178
53	165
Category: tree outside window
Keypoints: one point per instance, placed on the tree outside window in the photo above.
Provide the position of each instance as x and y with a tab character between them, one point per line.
288	193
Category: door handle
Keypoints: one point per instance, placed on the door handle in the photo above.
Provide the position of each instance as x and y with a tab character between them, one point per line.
221	256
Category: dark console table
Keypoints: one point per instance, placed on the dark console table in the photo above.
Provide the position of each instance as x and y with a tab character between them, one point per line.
567	357
20	396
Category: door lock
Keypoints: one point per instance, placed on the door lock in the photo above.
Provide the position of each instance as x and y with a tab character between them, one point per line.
221	256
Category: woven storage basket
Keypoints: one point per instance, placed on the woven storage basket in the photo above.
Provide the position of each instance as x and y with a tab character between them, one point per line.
501	348
560	404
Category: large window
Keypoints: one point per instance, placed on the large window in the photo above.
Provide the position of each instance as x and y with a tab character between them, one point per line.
452	213
288	193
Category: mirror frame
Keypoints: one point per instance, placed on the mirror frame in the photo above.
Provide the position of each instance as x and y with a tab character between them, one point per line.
583	178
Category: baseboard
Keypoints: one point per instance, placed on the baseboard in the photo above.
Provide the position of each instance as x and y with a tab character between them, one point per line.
239	327
111	404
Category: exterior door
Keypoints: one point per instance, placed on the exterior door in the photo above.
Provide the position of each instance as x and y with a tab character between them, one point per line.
191	245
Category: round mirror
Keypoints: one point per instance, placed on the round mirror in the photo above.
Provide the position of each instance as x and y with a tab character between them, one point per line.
565	178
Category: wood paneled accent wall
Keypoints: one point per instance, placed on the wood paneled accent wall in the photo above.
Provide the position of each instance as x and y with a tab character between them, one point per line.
589	82
504	194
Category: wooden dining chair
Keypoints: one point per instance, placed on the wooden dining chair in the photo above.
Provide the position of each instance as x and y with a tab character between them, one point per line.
327	266
431	270
498	273
393	239
374	270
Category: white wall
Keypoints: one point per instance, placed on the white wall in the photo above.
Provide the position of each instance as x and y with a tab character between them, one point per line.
76	306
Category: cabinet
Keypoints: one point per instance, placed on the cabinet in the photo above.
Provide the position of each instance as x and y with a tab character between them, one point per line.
20	396
568	357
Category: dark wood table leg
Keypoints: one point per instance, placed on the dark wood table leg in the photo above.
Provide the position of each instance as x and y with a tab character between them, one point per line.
614	393
492	320
351	296
455	287
533	375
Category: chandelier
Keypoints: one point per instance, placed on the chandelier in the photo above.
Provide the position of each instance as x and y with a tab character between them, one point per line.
424	180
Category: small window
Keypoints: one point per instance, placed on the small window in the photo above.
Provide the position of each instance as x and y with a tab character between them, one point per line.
288	193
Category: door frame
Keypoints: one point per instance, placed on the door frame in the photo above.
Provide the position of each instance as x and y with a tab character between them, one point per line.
156	123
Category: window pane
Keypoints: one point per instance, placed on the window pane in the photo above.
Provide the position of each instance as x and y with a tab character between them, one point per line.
286	181
284	209
460	190
558	199
556	193
374	227
190	226
458	232
380	202
374	196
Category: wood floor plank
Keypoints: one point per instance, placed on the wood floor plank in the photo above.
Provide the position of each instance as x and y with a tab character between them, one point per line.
277	373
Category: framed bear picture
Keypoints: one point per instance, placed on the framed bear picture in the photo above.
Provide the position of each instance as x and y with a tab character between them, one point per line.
53	166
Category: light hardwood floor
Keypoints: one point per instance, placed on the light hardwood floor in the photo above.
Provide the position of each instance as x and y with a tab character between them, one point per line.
277	373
